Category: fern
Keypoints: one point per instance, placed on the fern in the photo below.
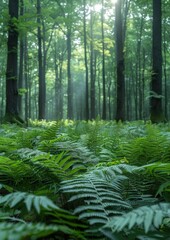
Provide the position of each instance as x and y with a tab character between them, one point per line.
51	132
114	170
77	151
7	145
101	198
28	138
25	153
20	231
40	168
149	218
29	200
61	165
160	172
146	149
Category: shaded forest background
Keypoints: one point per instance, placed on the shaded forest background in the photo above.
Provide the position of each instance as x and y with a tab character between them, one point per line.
68	53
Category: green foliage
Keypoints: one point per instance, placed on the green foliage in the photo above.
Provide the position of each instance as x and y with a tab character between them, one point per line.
147	218
30	201
77	180
20	231
98	194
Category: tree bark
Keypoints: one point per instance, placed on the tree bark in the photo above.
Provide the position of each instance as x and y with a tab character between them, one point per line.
21	62
86	65
92	72
12	112
41	70
103	64
70	84
156	112
120	111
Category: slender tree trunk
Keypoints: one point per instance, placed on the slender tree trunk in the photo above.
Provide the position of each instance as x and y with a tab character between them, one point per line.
21	62
2	107
61	100
120	112
156	83
70	83
42	85
58	85
103	64
92	72
56	114
138	54
26	69
86	65
165	65
143	84
109	98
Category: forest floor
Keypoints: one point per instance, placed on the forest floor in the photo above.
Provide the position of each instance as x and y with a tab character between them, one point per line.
85	180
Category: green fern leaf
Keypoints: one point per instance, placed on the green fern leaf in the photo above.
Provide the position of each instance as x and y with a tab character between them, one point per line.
30	200
146	216
163	188
157	221
17	198
20	231
148	220
101	198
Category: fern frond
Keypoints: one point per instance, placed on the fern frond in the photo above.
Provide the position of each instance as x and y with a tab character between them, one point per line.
7	145
23	174
164	187
61	165
146	217
158	169
25	153
111	171
51	132
101	198
19	231
28	138
29	200
78	151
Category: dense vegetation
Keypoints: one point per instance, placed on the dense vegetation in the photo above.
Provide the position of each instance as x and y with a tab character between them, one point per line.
85	180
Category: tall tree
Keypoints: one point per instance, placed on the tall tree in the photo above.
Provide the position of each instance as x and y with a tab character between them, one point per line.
41	70
103	64
86	63
12	113
69	56
156	112
120	62
21	61
92	68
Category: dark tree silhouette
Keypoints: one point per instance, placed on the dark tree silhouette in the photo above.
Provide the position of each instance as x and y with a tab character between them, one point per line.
120	111
12	112
156	83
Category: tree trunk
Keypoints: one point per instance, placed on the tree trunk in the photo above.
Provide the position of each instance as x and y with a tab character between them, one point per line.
21	63
120	112
92	72
12	112
156	112
86	66
42	85
70	83
165	64
58	63
26	69
103	64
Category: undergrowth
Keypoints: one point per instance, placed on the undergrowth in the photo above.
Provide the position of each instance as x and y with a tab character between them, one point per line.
85	180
